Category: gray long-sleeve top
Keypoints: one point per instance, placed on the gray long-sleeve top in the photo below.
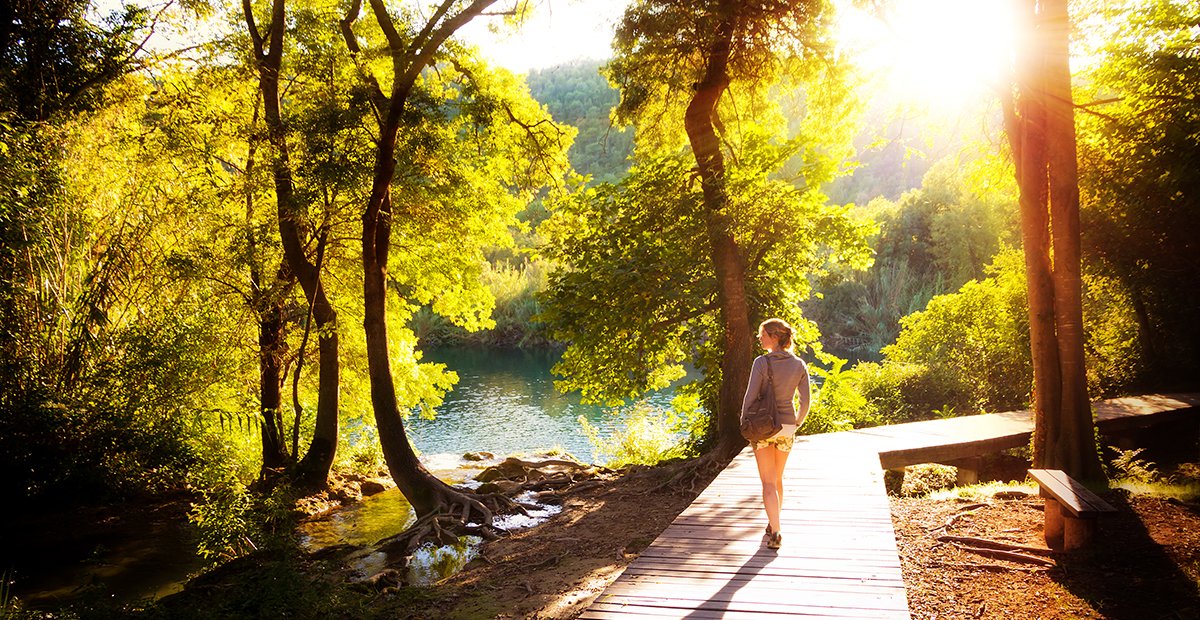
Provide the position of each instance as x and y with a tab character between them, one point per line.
789	375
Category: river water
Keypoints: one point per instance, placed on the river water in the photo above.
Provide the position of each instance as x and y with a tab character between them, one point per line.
505	403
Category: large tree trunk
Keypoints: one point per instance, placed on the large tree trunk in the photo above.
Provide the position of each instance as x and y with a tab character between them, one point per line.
1071	445
313	470
268	308
428	495
700	122
1039	121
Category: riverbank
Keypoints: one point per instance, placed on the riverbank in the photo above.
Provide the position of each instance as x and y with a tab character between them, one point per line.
553	570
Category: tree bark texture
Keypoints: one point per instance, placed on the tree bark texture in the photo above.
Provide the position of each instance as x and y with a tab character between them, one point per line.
270	388
729	264
313	470
426	493
1039	119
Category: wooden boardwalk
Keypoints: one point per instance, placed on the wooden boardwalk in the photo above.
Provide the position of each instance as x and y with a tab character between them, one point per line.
839	557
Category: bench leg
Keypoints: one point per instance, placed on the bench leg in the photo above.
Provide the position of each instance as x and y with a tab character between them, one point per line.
1077	532
1054	524
1066	532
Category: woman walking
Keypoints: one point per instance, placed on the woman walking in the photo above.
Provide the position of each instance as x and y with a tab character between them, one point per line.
789	375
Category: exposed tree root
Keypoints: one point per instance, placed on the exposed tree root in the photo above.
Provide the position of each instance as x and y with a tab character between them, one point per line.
691	476
440	529
962	512
993	544
1011	556
464	513
999	568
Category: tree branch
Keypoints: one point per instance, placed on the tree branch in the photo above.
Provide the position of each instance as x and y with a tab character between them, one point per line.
683	318
378	100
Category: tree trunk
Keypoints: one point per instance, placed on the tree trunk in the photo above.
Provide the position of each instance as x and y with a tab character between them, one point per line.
427	494
728	263
1073	448
1040	126
313	470
270	388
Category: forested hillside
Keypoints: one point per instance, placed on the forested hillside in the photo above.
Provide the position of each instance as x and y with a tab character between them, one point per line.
577	95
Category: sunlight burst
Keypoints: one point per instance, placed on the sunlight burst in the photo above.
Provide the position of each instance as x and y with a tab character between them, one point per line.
942	53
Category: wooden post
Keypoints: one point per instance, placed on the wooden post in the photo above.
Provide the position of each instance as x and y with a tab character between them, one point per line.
968	470
1077	532
1054	524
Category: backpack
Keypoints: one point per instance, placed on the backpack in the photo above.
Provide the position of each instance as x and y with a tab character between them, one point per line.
760	421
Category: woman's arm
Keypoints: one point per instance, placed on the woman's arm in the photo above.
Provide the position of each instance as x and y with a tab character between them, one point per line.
755	385
805	392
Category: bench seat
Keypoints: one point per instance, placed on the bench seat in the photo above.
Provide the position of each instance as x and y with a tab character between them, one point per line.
1071	509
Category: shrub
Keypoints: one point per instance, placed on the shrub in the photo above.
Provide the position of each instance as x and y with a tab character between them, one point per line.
838	404
974	342
514	287
649	437
902	392
928	477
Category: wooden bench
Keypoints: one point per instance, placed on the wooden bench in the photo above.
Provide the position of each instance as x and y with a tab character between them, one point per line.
1071	509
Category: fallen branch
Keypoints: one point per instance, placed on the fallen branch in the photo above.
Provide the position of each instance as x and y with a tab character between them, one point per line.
965	510
992	544
990	567
1011	556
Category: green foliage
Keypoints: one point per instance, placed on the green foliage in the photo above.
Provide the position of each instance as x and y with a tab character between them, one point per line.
926	478
838	403
515	289
230	519
54	59
1139	183
578	95
634	290
650	436
127	428
1129	467
981	492
1116	355
902	392
931	241
974	341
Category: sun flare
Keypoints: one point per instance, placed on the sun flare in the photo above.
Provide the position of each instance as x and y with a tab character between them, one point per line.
938	52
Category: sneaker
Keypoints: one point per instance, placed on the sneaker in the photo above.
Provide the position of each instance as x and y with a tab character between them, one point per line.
775	541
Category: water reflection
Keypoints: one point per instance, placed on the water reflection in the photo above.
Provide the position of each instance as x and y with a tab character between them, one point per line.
363	523
430	564
505	403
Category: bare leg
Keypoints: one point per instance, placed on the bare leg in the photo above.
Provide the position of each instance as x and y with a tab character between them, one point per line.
766	458
781	458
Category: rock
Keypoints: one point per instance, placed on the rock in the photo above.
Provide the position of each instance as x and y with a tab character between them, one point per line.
510	469
387	578
478	456
503	487
372	487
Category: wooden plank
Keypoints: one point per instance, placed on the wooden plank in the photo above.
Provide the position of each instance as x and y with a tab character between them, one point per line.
610	611
754	600
799	568
1124	414
1073	496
